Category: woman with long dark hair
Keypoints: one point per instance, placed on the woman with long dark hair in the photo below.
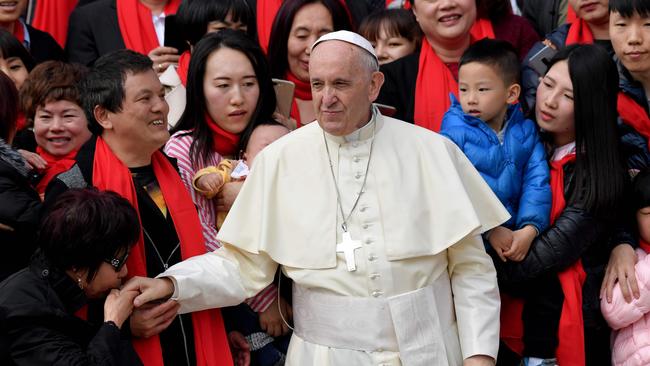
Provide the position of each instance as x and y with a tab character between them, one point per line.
576	109
297	25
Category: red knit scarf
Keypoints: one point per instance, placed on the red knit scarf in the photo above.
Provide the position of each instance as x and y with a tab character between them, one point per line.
55	166
109	173
633	115
570	350
136	25
19	31
183	67
51	16
223	142
435	82
302	92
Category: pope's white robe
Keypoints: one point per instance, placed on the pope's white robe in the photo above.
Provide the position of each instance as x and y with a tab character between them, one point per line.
420	217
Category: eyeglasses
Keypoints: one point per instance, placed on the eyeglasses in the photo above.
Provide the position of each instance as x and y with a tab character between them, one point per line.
118	263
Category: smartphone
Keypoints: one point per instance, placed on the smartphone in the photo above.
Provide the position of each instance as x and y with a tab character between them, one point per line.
174	36
539	61
386	110
284	95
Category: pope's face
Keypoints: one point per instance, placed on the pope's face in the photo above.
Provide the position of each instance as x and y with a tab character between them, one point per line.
342	87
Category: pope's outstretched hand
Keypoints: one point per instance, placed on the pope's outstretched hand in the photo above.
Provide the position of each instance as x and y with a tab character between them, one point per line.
151	289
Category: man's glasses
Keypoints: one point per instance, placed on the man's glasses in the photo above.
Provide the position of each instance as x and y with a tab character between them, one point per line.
118	263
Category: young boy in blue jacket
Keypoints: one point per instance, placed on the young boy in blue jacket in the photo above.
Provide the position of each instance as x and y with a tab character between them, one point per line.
504	146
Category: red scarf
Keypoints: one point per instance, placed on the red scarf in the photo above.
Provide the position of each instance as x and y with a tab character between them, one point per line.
51	16
55	166
136	25
109	173
633	115
570	350
302	92
579	32
183	67
571	15
223	142
21	121
19	31
435	82
266	10
644	245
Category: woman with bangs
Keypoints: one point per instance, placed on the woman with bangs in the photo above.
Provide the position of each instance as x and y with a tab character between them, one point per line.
393	33
418	86
297	25
195	19
51	102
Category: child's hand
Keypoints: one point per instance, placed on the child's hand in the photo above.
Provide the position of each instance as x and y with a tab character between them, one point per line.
501	240
521	241
271	321
209	182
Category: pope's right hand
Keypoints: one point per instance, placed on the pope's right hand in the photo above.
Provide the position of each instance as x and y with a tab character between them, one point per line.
150	289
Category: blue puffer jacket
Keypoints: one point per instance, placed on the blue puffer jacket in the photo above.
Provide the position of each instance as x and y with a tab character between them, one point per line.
517	170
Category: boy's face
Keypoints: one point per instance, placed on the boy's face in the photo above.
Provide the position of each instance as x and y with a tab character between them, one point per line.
643	220
631	41
483	93
261	137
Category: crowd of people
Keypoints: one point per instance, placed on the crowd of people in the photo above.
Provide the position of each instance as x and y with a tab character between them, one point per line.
325	182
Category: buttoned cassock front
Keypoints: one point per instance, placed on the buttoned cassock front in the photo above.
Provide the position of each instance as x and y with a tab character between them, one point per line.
419	220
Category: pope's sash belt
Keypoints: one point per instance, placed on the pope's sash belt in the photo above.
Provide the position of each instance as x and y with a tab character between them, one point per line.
408	323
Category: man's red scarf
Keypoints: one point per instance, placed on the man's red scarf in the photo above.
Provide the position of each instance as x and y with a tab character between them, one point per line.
19	31
183	67
51	16
633	115
266	12
109	173
302	92
55	166
223	142
434	81
570	350
136	24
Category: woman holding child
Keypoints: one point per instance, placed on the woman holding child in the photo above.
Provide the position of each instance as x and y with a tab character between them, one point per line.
229	93
575	109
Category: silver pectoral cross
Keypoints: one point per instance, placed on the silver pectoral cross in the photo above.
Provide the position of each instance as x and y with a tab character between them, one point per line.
348	246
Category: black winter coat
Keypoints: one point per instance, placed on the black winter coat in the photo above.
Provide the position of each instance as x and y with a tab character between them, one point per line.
38	325
19	212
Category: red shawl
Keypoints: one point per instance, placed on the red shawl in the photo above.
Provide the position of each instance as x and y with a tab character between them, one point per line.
55	166
109	173
223	142
183	67
51	16
136	25
570	350
302	92
435	82
633	115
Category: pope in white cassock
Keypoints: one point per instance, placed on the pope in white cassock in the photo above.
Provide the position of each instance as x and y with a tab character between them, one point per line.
377	222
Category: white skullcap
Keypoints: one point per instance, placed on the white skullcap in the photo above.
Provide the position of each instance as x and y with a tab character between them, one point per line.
349	37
